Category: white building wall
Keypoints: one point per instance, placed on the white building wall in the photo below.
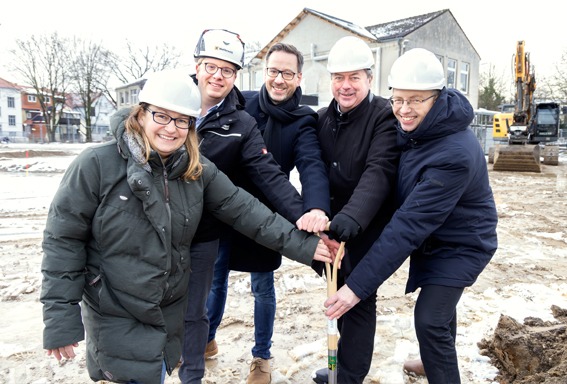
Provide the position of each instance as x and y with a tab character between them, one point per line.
314	37
7	130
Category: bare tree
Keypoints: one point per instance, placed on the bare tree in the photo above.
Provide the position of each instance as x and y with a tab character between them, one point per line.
491	90
138	61
90	73
558	80
43	63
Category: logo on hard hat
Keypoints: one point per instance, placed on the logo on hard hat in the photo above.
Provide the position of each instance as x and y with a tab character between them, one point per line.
217	48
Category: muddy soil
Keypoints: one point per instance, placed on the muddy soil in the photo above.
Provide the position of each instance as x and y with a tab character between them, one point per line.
532	352
530	266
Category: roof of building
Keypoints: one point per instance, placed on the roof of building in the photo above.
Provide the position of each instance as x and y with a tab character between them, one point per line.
351	27
400	28
380	32
7	84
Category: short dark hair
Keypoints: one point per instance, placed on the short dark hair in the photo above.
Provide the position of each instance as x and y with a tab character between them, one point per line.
288	48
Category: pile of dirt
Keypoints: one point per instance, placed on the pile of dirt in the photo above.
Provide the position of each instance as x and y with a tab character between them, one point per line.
533	352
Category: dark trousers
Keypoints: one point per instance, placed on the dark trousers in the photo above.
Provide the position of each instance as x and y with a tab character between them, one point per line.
436	329
203	256
357	328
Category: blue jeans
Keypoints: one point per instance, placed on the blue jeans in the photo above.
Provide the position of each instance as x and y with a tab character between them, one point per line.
436	329
203	257
264	302
264	312
219	290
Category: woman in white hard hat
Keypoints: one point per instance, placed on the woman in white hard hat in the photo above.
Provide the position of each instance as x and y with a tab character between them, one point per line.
119	230
447	216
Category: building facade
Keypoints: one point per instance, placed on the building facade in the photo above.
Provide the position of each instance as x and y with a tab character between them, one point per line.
11	128
438	32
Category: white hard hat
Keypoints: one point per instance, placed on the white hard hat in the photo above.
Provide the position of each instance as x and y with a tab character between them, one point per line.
417	69
221	44
349	54
173	90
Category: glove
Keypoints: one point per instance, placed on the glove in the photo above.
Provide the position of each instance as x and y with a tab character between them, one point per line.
344	227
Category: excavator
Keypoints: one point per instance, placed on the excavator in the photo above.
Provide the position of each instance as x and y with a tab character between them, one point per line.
532	124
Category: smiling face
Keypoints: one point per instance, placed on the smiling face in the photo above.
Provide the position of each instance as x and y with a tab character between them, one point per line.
350	88
163	138
214	87
410	116
278	88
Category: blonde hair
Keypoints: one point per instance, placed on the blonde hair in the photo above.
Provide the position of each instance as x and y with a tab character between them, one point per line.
194	169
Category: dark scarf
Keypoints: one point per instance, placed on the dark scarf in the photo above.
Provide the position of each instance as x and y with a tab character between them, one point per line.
280	115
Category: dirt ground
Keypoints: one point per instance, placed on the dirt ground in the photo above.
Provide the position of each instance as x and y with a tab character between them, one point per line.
533	352
531	259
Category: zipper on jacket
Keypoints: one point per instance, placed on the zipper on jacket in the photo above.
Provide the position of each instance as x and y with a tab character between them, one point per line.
165	185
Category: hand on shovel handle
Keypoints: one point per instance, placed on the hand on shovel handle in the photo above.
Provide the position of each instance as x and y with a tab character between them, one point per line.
332	329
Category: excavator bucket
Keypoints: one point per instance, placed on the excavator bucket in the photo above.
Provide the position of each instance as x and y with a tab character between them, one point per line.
551	154
520	158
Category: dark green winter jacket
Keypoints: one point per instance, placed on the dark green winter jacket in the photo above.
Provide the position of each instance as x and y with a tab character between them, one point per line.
116	251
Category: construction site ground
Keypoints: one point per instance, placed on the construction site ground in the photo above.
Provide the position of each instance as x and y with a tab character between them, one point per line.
511	323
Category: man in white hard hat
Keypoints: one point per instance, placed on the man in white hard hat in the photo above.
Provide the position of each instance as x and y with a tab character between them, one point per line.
447	218
357	133
230	138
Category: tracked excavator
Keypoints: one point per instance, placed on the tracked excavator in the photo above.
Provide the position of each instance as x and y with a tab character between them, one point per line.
532	124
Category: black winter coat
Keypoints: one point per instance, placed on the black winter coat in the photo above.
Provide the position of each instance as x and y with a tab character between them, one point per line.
230	138
447	219
360	153
117	241
289	131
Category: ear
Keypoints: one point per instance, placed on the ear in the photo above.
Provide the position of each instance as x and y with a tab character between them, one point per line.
140	118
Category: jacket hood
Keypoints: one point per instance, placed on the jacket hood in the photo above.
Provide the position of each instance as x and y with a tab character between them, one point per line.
118	128
452	112
117	122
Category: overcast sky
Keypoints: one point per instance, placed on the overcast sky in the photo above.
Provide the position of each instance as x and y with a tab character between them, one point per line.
493	26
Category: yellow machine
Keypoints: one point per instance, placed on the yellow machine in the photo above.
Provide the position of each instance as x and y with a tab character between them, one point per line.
501	121
521	152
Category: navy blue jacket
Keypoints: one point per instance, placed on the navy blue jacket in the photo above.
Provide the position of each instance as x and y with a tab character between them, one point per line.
289	131
447	218
230	138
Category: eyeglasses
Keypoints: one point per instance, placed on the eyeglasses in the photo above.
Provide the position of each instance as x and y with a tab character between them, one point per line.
286	75
164	118
398	101
226	72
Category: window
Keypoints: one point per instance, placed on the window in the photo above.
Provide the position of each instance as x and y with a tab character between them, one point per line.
11	102
134	96
12	120
32	98
121	97
451	72
127	97
464	78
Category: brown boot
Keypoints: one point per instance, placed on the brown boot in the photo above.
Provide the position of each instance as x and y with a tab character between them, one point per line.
211	349
260	372
414	367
